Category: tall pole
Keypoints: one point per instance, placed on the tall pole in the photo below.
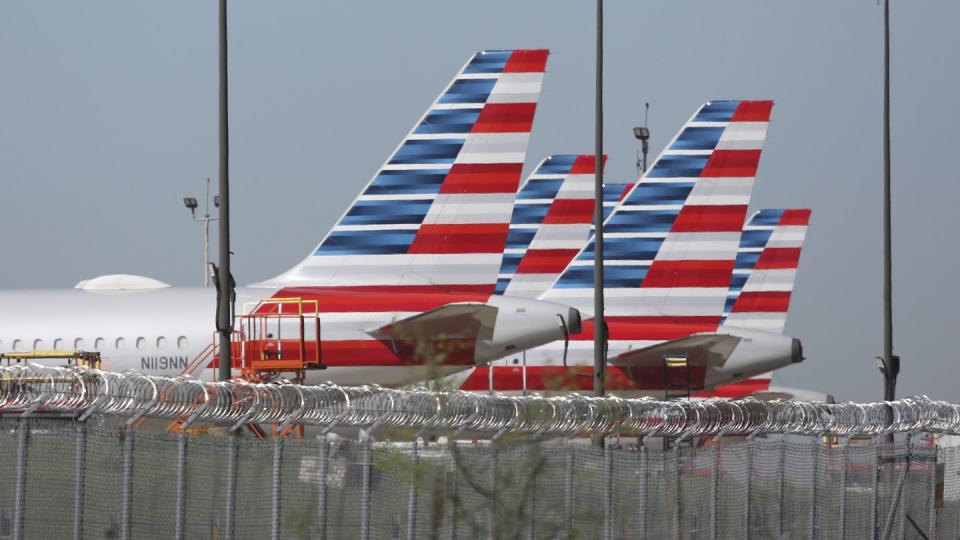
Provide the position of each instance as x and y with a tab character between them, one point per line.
224	319
599	323
890	372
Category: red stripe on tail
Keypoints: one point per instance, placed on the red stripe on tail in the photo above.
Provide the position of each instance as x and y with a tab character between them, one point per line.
527	61
762	302
569	211
778	258
482	178
688	274
464	238
753	111
545	261
714	218
795	217
732	164
505	118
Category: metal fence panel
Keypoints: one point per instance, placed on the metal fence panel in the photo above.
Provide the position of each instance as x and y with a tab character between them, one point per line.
921	484
860	492
49	471
733	489
766	488
948	515
205	487
779	487
799	476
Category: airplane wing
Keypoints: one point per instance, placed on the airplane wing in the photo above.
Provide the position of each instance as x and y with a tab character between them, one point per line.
455	327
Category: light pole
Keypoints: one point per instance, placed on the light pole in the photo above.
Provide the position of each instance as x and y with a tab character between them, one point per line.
643	135
599	321
891	362
225	288
191	204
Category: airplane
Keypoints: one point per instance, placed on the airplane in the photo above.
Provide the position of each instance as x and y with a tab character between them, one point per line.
758	297
760	292
401	288
670	249
552	220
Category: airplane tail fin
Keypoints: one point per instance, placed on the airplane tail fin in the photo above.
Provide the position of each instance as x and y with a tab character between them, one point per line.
551	222
437	212
766	270
671	243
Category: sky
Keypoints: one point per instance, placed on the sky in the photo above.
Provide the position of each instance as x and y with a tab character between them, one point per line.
108	118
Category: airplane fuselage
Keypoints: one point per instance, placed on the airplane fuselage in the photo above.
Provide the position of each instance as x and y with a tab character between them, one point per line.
170	331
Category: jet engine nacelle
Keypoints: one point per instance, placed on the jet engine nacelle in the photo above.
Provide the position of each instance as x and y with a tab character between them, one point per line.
757	352
524	323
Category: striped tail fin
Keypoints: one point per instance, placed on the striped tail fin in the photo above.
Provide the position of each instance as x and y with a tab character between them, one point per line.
671	244
437	212
766	270
551	223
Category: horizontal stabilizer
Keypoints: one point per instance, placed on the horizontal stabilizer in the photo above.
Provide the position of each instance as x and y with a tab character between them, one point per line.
442	334
698	349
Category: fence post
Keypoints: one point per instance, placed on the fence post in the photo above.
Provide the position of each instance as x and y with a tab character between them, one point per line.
568	489
79	461
531	515
22	441
492	515
843	488
817	441
365	492
275	503
322	489
714	493
678	509
749	490
182	470
181	484
781	485
643	488
412	501
231	485
608	491
127	481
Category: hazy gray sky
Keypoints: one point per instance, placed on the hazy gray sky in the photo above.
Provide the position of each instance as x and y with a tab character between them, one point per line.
108	118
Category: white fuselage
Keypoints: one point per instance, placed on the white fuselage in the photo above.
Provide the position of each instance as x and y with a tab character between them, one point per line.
170	331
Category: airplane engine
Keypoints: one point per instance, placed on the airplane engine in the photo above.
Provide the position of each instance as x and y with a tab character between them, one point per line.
523	323
756	352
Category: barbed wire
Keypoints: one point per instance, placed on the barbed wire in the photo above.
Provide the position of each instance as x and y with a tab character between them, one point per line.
28	388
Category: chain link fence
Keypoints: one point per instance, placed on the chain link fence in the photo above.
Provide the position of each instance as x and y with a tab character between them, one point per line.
104	479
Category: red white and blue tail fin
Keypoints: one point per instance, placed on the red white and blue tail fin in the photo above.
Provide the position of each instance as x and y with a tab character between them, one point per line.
551	223
671	244
766	270
437	212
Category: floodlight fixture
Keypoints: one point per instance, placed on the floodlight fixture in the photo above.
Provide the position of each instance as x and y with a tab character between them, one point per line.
641	133
190	203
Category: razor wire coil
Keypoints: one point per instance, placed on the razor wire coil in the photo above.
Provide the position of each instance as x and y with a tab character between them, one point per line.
76	390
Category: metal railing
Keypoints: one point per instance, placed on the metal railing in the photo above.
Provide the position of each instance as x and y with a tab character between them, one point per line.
83	391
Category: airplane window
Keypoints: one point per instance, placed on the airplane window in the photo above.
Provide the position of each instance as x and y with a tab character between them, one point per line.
182	342
58	344
161	342
78	344
98	344
121	343
141	343
38	344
